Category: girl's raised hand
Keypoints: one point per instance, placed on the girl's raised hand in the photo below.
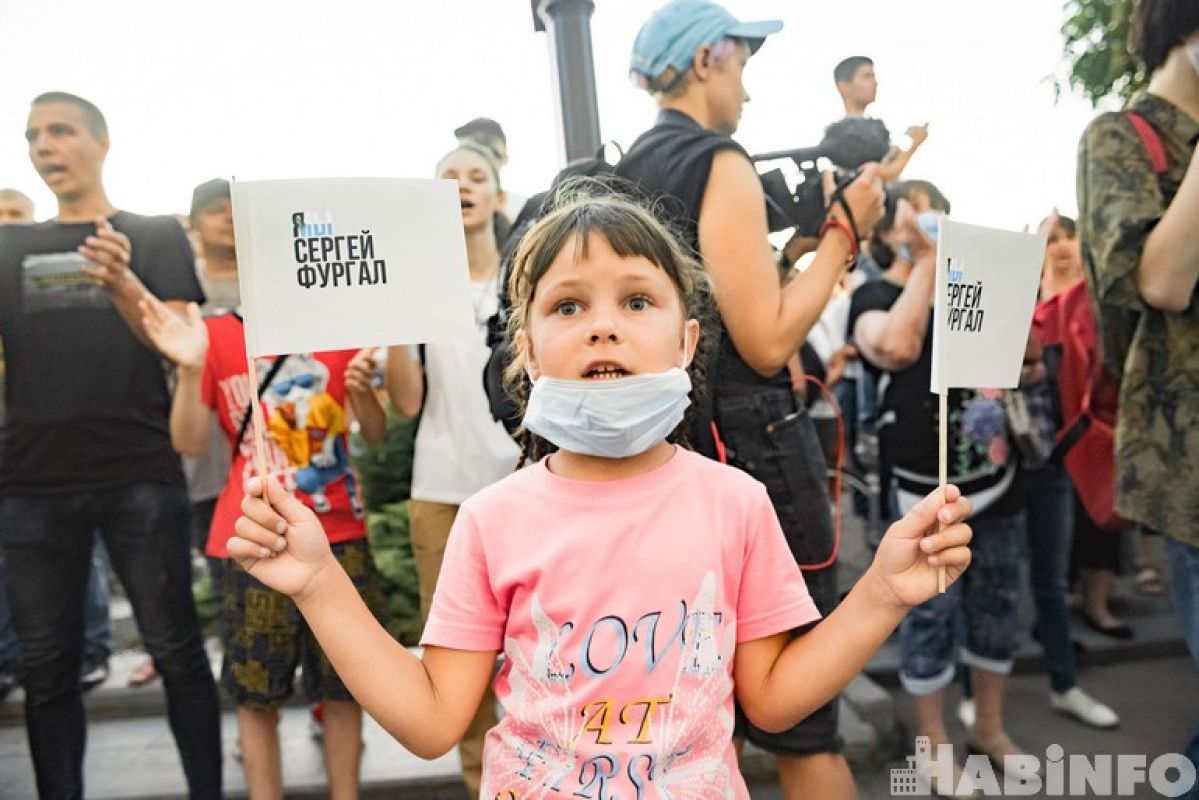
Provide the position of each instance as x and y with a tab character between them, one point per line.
281	543
929	536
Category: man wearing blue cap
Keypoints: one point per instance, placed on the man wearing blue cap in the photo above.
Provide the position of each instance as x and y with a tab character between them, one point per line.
690	56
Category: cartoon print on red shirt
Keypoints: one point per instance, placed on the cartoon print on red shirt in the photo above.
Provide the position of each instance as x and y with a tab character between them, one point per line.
304	410
307	423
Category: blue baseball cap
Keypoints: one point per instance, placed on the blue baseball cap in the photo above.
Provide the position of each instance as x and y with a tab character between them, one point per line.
671	36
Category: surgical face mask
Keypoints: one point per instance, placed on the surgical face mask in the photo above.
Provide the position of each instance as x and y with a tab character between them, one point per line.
1193	55
613	418
930	223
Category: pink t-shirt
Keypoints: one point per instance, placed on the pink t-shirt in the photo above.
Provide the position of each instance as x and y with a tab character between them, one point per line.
617	606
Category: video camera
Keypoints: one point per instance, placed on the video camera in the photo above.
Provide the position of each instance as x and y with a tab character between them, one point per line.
802	208
848	144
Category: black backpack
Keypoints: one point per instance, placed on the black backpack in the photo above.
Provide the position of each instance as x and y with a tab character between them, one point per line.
670	211
503	407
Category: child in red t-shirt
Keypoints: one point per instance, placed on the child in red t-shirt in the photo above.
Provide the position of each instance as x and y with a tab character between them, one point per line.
263	635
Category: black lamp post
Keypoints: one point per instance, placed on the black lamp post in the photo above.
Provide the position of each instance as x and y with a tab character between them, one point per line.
568	24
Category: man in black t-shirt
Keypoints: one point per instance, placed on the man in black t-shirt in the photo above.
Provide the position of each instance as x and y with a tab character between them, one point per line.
690	56
17	209
87	448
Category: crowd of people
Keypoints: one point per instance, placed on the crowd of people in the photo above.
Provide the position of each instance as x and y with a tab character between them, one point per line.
660	463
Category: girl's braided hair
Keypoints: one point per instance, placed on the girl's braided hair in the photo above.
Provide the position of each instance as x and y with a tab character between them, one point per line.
581	207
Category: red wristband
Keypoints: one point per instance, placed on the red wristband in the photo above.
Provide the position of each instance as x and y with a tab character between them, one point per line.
841	225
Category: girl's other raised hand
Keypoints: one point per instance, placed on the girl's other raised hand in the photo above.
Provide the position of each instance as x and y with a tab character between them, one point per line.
930	536
279	540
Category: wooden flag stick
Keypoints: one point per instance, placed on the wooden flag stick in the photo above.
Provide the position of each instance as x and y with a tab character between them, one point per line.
943	474
259	424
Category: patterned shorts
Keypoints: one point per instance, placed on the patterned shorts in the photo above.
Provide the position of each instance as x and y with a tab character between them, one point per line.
265	637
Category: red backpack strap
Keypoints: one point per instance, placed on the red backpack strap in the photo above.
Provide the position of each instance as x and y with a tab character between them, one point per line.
1153	142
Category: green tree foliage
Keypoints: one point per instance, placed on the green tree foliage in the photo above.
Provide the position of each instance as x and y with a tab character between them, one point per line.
385	473
385	470
1096	50
391	548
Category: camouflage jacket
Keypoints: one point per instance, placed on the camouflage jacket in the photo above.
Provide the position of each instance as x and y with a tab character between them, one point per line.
1120	199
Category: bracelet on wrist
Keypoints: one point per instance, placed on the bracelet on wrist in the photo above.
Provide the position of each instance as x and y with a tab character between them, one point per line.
839	224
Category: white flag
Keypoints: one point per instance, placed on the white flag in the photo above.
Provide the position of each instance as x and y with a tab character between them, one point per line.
342	263
987	283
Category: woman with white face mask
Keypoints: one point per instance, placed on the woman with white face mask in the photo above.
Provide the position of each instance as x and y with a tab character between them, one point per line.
460	449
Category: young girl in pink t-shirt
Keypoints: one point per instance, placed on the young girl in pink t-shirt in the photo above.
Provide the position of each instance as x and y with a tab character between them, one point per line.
631	585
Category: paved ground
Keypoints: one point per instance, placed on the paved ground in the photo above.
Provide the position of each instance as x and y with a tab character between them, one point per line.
1157	699
136	758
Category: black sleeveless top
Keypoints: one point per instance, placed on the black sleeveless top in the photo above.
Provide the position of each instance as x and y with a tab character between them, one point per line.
670	163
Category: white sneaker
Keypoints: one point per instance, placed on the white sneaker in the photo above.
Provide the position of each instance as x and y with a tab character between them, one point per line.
966	713
1084	708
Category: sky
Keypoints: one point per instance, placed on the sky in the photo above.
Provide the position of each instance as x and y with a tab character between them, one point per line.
266	89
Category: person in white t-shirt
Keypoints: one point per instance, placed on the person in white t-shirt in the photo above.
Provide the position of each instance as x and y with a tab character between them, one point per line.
460	449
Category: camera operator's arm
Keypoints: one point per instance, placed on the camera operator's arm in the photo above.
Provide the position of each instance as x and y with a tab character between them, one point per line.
891	340
893	168
1169	265
768	323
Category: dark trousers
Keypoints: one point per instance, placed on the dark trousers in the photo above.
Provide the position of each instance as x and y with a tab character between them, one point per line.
770	437
47	542
1049	497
